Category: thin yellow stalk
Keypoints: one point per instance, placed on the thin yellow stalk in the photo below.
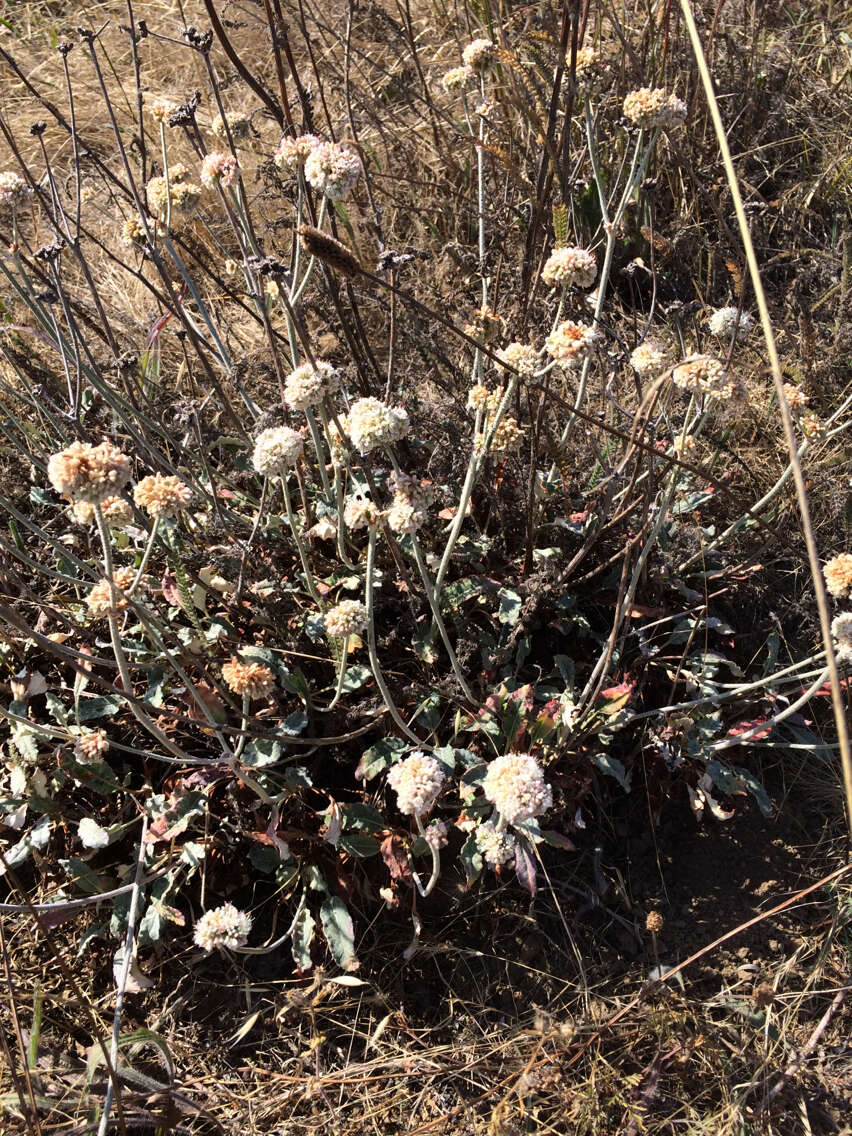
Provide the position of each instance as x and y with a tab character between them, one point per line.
786	418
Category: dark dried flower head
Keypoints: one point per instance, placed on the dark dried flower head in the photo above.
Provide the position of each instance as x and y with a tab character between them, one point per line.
332	252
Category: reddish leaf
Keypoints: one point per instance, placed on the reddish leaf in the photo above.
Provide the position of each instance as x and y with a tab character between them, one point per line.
396	858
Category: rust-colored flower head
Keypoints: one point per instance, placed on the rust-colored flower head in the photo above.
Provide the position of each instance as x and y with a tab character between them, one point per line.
838	575
763	996
90	747
249	680
162	496
654	922
116	511
100	598
89	473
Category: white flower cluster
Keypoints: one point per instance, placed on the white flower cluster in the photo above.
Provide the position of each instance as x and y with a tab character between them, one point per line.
570	267
308	386
479	53
725	324
648	359
218	168
841	630
291	153
14	190
359	513
650	107
332	169
701	374
349	617
457	78
224	926
521	356
507	435
571	343
411	500
277	448
515	785
417	781
371	423
496	848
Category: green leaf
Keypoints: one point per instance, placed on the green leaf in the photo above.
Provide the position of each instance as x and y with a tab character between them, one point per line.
339	932
510	606
155	694
297	777
82	875
764	801
301	939
471	859
557	840
364	817
96	931
612	767
379	757
261	752
265	859
355	677
103	707
360	844
56	709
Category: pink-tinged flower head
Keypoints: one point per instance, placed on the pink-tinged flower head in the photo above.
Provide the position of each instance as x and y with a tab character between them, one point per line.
89	473
218	169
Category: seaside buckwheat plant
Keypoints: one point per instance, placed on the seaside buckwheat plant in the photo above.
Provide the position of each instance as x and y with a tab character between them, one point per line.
701	374
457	78
238	124
333	169
84	472
14	191
276	449
308	386
570	268
650	107
222	928
100	599
249	680
520	356
479	53
218	169
381	541
162	496
417	781
571	343
730	323
516	787
291	153
838	575
349	617
372	423
648	359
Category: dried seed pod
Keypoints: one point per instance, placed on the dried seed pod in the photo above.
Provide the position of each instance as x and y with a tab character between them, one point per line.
330	251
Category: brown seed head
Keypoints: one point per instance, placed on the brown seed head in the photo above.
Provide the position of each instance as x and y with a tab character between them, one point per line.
654	922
